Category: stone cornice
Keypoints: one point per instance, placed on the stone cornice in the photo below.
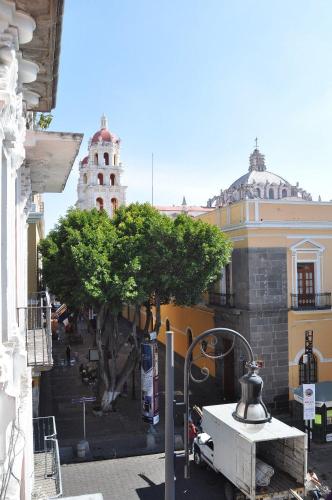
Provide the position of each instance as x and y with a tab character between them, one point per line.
43	49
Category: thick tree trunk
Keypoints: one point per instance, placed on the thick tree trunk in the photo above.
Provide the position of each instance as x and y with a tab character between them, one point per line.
158	314
113	381
147	318
137	347
91	331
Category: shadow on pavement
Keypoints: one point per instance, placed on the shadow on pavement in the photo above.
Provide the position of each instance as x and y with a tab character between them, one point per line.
203	482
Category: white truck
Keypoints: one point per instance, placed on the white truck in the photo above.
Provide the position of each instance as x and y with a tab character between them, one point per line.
233	449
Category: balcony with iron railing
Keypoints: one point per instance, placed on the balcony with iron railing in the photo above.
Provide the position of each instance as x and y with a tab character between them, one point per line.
46	459
221	299
36	318
310	302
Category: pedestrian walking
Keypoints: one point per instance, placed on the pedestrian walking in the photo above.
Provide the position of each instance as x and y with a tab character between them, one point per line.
68	354
312	485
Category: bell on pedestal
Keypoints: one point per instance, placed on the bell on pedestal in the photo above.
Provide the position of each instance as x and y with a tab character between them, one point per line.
251	409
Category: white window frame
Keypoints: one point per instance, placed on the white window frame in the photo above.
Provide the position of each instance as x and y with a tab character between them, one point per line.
302	248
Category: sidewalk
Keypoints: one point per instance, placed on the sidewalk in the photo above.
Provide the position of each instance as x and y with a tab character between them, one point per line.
123	433
118	434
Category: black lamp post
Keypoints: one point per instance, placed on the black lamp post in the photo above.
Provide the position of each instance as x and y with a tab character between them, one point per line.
250	409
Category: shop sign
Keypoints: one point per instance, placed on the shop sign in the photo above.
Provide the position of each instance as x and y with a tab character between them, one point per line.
149	382
308	401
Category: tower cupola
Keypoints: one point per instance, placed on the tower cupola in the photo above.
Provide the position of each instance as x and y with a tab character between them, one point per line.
99	183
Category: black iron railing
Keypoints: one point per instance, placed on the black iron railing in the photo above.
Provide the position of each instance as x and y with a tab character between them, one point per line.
36	318
221	299
47	460
310	302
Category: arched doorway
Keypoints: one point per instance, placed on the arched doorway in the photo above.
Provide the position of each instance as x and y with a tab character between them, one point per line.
100	179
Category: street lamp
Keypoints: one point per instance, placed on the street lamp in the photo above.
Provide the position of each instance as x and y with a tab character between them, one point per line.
250	410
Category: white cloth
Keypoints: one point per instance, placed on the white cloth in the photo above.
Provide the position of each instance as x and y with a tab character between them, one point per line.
264	472
309	484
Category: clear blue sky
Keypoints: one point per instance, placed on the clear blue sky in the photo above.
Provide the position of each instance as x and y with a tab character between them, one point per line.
194	82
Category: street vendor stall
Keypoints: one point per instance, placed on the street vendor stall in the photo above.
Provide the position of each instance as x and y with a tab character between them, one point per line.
322	424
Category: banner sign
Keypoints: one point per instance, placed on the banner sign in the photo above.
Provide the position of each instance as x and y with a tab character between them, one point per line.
309	401
149	382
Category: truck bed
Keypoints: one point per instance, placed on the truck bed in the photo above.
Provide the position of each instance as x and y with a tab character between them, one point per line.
279	486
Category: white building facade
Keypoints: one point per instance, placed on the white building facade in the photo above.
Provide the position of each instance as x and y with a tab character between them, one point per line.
29	52
99	184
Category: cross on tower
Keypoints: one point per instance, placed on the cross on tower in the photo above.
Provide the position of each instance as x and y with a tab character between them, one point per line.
256	141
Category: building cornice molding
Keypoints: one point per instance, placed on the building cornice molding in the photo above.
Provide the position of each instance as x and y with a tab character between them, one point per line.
278	224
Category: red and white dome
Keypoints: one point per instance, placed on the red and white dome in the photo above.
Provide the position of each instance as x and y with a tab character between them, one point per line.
104	135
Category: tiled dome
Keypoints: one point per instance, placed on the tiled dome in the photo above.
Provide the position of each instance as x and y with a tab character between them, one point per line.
104	135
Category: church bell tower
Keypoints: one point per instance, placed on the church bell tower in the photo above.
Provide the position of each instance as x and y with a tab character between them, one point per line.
99	184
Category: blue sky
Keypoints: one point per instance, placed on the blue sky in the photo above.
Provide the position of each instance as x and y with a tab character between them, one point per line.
194	82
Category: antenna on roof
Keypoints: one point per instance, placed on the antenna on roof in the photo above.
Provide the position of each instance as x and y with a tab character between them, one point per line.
152	179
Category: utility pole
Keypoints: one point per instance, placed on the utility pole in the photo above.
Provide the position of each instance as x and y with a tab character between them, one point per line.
307	368
152	179
169	419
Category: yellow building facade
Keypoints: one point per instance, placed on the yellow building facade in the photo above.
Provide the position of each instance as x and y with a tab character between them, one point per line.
36	225
276	290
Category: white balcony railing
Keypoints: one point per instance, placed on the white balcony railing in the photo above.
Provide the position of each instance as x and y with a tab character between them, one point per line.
46	459
38	335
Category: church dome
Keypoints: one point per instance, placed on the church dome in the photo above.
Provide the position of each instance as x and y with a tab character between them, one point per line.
258	177
258	183
104	135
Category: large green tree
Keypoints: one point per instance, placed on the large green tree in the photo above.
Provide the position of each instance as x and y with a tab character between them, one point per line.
178	259
81	265
138	257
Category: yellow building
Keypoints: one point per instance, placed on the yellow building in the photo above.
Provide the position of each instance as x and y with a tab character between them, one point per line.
277	289
36	231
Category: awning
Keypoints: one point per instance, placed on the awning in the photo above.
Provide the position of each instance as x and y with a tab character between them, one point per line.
50	157
323	394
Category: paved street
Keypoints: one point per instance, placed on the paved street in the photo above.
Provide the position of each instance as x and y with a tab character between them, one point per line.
138	478
123	434
116	434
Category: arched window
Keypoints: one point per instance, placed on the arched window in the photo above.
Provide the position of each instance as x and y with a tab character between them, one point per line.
99	204
100	179
115	159
114	202
284	193
85	179
112	180
258	192
271	194
308	371
96	159
106	159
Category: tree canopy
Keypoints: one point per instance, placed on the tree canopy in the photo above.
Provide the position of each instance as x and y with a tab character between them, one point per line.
138	257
